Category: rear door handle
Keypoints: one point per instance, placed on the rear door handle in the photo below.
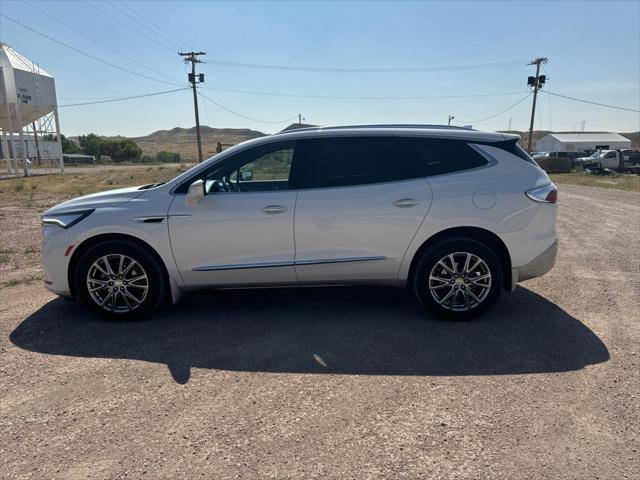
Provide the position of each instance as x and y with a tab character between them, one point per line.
405	203
272	209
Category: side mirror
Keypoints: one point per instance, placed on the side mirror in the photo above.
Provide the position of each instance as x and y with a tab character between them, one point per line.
195	194
246	175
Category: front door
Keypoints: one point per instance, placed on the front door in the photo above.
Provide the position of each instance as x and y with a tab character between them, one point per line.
241	232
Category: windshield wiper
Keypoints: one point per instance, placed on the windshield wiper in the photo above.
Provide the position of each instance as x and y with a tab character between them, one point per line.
151	185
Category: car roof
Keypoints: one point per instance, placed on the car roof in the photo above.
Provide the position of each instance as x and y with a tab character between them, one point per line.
434	131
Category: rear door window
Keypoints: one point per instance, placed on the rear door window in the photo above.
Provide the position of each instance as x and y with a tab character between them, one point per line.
345	161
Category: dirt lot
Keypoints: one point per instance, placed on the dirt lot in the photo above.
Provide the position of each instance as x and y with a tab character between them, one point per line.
330	383
618	181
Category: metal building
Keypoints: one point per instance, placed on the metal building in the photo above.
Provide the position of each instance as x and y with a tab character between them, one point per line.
28	112
581	142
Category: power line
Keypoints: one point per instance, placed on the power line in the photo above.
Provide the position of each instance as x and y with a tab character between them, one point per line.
206	111
500	112
167	34
138	32
120	99
137	62
450	68
93	57
136	21
245	116
360	97
590	102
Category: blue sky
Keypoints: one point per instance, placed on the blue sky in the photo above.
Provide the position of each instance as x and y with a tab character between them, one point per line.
593	50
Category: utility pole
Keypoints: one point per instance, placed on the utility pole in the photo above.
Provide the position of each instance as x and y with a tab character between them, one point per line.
451	117
192	57
510	124
535	82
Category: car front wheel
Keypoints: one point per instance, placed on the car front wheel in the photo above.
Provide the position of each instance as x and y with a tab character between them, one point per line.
458	279
120	280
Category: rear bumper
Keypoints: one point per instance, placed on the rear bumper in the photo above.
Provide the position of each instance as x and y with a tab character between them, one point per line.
536	267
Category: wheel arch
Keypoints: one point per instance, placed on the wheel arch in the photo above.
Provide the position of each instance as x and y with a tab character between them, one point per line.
81	249
490	239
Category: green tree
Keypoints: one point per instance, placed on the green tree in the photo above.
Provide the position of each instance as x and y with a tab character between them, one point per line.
127	151
68	146
119	149
91	144
164	156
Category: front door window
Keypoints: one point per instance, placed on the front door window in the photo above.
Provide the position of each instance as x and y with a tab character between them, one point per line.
258	170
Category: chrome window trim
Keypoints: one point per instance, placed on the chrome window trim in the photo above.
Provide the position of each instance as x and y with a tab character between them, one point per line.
338	260
241	266
244	266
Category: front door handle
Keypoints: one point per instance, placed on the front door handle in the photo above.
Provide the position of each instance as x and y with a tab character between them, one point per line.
405	203
271	209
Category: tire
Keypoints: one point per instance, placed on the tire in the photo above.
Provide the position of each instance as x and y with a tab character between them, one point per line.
439	273
131	294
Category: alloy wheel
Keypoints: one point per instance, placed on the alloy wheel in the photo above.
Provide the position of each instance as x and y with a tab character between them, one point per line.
117	283
460	281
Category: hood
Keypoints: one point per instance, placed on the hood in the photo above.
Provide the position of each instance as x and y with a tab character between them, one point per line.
109	198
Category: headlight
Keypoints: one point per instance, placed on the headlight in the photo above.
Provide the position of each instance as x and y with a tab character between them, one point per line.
65	220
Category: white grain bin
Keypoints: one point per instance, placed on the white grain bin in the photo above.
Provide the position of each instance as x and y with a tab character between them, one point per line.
28	111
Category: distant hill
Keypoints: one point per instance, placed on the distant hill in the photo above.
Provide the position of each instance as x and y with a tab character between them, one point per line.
183	140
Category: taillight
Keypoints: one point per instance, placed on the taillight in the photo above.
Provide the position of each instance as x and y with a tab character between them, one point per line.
546	194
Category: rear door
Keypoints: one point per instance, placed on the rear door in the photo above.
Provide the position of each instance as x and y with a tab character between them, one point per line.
356	211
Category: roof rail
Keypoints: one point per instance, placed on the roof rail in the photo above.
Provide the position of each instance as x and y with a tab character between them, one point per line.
390	125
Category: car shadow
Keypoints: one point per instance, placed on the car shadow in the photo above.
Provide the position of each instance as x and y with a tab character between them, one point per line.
353	330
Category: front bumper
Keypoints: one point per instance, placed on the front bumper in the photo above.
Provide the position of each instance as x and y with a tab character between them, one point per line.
536	267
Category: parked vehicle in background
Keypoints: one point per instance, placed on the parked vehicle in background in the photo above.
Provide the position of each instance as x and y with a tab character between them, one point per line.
617	160
572	155
555	164
630	157
455	214
598	171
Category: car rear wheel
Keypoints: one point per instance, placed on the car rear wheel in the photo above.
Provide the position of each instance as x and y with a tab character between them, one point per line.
459	278
120	280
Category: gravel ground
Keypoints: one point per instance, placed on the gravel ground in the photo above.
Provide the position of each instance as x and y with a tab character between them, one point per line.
341	383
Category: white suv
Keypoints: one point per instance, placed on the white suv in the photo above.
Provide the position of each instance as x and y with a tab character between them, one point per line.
453	213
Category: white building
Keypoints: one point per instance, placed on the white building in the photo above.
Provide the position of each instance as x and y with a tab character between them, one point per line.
28	111
581	142
36	146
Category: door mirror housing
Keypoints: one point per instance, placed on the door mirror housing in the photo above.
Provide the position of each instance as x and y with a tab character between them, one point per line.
195	193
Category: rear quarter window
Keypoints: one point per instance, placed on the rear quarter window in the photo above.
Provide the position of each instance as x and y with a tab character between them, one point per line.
513	147
425	157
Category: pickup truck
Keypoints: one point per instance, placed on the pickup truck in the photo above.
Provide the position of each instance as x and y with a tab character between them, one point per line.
619	160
